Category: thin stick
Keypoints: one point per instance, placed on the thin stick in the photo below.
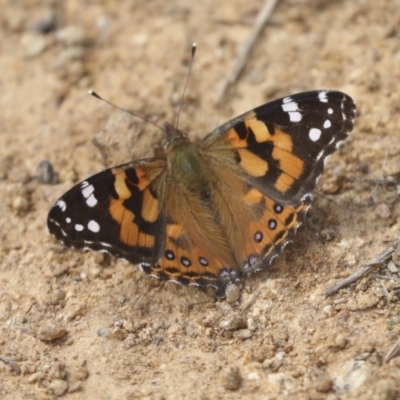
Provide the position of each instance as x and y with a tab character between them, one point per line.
389	278
380	259
232	76
384	289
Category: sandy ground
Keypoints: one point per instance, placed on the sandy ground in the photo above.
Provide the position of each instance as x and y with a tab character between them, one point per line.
79	325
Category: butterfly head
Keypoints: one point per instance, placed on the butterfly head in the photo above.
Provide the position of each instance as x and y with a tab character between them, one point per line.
175	137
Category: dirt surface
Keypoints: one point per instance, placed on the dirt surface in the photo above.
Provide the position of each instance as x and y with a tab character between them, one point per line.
80	325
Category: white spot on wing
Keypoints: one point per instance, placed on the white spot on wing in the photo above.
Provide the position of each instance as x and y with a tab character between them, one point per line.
322	97
84	184
314	134
87	191
295	116
327	124
62	204
292	106
91	201
79	227
330	111
68	220
93	226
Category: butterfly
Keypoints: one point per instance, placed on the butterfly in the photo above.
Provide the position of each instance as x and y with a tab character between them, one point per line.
212	212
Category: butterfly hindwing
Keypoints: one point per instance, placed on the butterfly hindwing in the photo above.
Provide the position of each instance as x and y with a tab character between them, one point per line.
237	231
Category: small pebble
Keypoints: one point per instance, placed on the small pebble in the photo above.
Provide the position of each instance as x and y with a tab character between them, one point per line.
232	293
341	341
50	332
327	310
36	377
104	332
103	259
33	44
58	387
323	384
251	324
232	379
20	204
45	173
392	267
71	35
382	211
244	334
331	186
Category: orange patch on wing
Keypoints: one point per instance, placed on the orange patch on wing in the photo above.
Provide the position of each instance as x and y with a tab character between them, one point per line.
150	207
174	230
235	139
120	185
288	162
253	196
284	182
282	140
146	240
129	231
142	177
252	164
259	129
121	177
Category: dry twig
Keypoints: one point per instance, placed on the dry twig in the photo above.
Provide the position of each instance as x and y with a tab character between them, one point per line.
389	278
379	260
242	57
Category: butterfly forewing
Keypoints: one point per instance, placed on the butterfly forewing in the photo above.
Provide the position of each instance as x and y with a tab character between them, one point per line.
281	147
119	210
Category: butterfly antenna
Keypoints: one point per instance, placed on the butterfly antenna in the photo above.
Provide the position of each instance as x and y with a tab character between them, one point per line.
194	46
94	94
